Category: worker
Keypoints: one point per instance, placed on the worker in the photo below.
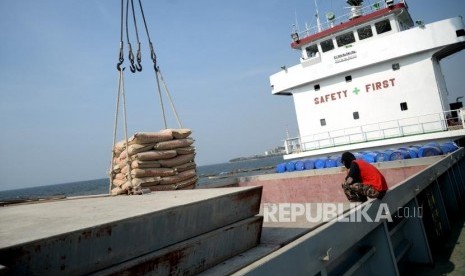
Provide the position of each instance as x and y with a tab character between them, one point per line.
363	180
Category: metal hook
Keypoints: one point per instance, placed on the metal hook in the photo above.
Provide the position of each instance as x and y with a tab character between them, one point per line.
121	57
139	59
139	67
118	65
131	59
132	67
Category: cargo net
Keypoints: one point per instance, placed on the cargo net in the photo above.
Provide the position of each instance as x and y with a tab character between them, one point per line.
154	161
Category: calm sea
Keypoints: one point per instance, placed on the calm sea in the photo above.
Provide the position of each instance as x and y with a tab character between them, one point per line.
100	186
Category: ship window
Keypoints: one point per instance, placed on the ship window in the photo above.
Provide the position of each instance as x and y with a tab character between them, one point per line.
323	122
311	50
364	32
395	66
345	39
356	116
317	87
383	26
327	45
348	78
460	32
403	106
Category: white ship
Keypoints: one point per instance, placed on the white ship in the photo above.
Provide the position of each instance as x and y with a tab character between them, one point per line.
371	80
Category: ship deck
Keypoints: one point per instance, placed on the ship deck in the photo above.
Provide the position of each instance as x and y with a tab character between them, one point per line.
234	230
284	243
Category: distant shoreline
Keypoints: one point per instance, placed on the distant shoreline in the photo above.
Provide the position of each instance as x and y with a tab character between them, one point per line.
255	157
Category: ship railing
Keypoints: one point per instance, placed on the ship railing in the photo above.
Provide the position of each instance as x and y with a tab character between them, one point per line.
363	10
436	122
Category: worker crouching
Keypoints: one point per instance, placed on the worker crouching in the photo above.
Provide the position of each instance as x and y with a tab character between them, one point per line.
363	180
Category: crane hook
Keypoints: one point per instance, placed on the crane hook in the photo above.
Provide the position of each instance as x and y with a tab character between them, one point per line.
131	59
132	68
118	65
139	59
121	57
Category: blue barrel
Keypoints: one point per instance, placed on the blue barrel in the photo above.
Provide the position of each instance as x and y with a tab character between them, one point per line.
320	163
338	160
384	156
399	155
281	168
413	152
309	164
426	151
380	156
370	157
448	147
331	163
290	166
433	144
299	165
358	156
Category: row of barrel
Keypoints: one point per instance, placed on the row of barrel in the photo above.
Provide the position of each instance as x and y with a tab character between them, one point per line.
417	151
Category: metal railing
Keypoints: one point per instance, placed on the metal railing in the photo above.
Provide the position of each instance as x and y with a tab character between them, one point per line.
444	121
362	10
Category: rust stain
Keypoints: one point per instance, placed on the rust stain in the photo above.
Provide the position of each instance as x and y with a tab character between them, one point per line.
251	196
85	235
104	231
171	259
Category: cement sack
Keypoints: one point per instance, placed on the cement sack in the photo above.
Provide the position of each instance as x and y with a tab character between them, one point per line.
150	137
117	191
116	169
136	148
178	160
145	164
120	176
173	144
119	147
179	133
146	181
153	172
125	169
185	167
118	182
185	150
154	155
127	186
186	184
178	177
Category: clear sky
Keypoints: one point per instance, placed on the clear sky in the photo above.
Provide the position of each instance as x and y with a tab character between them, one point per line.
58	79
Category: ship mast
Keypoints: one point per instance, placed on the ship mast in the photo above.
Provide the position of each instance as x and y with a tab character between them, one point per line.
318	23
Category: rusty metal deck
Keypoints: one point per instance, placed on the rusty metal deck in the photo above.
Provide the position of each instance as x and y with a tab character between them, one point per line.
90	234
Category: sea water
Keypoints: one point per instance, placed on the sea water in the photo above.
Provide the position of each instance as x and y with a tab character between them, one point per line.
207	174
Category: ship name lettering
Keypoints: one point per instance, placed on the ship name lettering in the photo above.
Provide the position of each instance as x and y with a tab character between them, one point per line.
331	97
380	85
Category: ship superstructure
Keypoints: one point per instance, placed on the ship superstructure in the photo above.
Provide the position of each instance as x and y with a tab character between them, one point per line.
371	80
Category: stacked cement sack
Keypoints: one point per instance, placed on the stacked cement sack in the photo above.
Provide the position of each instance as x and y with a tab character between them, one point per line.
158	161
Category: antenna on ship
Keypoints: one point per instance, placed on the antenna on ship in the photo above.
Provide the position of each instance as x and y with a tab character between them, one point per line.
318	23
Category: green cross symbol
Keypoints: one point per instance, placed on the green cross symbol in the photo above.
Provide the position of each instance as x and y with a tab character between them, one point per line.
356	90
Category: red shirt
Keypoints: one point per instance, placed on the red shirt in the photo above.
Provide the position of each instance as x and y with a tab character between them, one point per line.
371	176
